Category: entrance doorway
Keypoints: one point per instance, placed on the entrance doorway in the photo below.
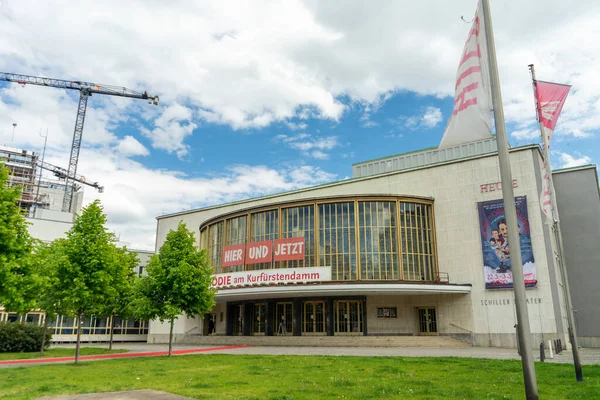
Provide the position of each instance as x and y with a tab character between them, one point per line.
209	325
313	318
284	317
348	317
238	320
427	321
258	320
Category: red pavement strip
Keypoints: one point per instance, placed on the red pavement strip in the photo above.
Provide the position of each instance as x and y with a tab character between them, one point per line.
118	355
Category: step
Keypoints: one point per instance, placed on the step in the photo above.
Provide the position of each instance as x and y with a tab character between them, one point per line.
327	341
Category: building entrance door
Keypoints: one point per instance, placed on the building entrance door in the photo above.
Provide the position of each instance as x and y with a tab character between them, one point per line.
427	321
348	317
313	318
258	320
238	320
284	317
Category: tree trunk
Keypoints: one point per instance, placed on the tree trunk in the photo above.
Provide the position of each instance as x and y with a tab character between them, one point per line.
171	337
112	324
44	336
78	337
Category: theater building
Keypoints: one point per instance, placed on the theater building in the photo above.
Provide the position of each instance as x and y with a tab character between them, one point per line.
413	244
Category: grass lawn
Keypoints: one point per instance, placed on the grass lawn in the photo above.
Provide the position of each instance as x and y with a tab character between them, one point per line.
60	352
219	376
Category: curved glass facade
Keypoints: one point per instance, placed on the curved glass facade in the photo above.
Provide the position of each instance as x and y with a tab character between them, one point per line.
361	239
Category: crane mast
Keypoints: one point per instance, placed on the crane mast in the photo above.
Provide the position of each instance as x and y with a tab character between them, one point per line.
86	89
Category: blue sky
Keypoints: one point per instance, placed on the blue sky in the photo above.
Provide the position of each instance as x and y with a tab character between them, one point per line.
274	96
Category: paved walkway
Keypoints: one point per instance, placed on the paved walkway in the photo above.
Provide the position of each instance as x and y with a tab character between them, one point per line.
125	395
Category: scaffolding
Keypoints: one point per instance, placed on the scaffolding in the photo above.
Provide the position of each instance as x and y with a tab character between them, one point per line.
37	192
22	166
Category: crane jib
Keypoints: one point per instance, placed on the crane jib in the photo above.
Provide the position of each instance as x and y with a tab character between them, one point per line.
86	89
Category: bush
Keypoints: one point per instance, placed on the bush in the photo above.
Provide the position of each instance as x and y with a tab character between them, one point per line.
16	337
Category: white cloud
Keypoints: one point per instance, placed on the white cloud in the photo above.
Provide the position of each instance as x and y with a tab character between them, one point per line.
130	146
171	129
250	65
319	155
426	119
309	145
432	117
525	134
296	127
370	124
569	161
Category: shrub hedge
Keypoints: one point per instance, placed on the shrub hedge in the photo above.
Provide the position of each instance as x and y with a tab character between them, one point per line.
17	337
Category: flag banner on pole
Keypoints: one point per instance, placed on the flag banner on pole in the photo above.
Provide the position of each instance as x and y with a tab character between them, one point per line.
550	100
471	117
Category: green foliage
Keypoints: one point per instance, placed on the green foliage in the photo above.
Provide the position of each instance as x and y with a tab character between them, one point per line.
16	337
48	258
123	279
85	262
178	281
16	245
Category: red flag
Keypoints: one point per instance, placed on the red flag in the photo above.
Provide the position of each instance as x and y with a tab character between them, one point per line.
550	100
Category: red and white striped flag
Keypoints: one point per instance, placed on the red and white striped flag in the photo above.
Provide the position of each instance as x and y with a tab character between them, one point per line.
550	100
472	115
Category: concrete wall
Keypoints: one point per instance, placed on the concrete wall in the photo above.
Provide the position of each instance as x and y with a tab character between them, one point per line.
578	201
456	189
48	230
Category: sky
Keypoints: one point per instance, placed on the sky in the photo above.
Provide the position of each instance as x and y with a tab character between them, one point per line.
268	96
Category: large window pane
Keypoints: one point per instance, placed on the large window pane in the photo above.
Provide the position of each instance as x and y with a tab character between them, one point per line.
378	240
215	246
264	226
417	242
299	222
337	240
235	234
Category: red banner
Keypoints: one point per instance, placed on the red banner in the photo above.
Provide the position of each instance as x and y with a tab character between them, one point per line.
289	249
233	255
259	252
551	98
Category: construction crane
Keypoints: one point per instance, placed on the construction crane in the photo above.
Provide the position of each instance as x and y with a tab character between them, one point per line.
62	173
86	89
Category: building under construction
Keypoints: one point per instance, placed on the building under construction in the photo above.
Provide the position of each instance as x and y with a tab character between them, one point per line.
38	193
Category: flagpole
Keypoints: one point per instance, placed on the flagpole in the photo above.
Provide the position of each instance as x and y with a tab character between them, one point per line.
558	233
510	212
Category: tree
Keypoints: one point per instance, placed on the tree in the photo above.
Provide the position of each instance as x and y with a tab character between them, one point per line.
16	245
178	281
47	259
123	282
84	273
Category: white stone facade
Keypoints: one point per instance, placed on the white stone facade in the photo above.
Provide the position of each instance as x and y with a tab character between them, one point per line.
486	317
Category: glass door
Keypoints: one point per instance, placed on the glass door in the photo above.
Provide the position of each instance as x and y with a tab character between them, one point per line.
284	318
348	317
427	321
238	320
258	320
313	318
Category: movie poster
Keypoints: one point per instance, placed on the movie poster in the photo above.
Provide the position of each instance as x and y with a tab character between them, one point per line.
496	249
